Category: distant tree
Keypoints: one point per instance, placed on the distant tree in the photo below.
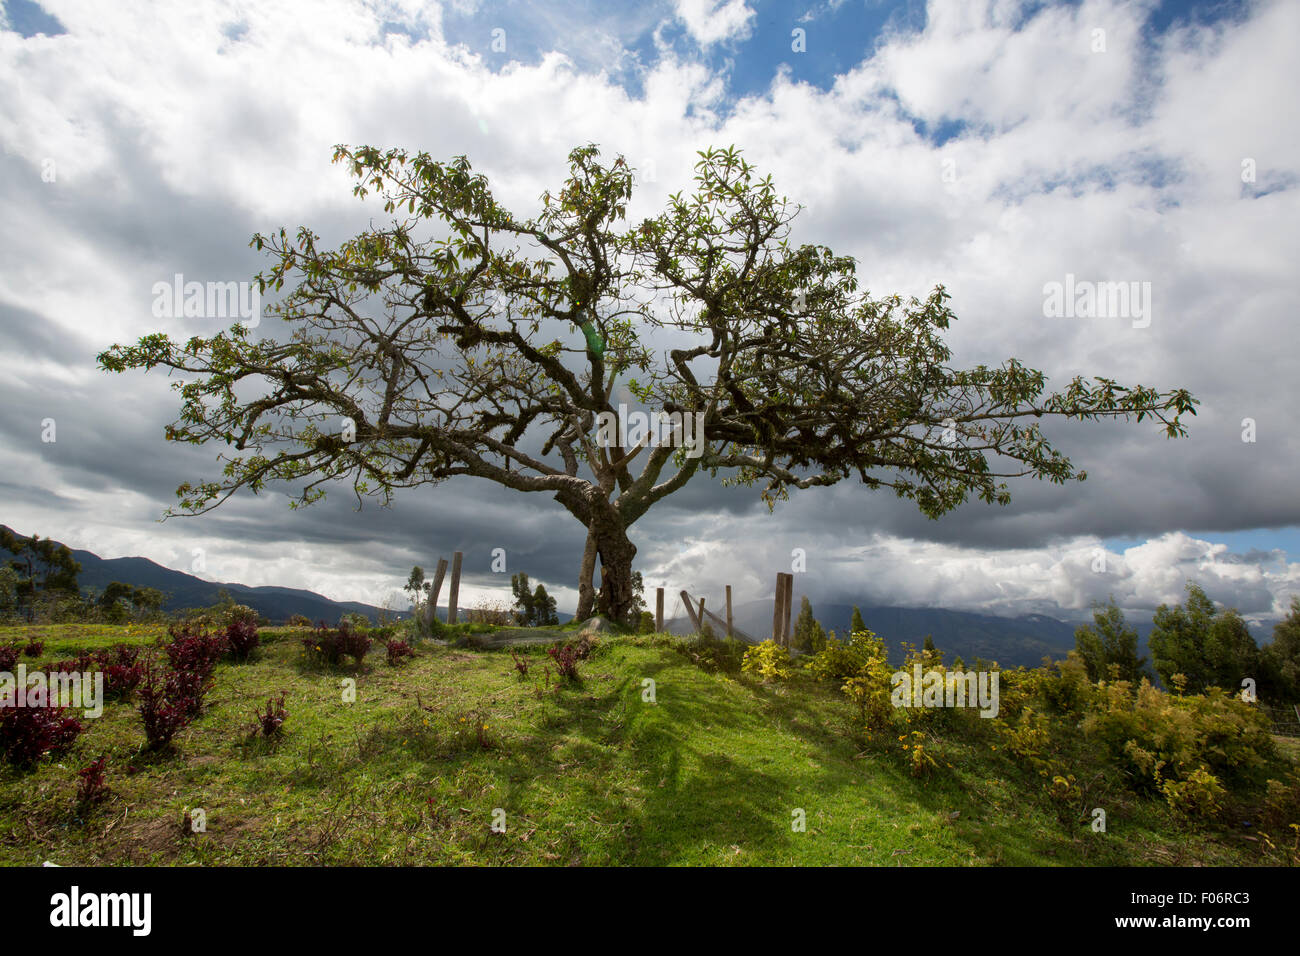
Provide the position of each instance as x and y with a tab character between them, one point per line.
1211	649
1109	647
930	651
113	602
533	608
647	623
808	634
856	624
415	588
441	343
43	568
1282	656
8	591
544	614
522	589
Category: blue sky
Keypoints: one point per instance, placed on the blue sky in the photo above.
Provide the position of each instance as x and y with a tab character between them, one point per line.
842	33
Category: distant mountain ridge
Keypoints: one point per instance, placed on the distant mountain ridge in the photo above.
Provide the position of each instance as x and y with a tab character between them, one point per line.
1011	641
1022	640
183	590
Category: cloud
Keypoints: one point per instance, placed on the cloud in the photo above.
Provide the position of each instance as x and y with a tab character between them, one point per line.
1122	164
715	21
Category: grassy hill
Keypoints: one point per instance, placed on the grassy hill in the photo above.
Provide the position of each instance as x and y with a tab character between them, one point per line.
713	771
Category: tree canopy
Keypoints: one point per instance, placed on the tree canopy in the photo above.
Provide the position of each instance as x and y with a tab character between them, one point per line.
460	339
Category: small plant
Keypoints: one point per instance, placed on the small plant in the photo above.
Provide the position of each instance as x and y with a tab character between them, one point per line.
566	660
521	665
34	648
397	650
769	660
29	733
163	716
241	638
92	788
920	760
9	657
271	722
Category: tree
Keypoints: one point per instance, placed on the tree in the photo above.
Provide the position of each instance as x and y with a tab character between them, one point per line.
43	568
534	608
544	614
523	598
808	634
1211	649
418	354
415	588
856	623
1109	643
1282	656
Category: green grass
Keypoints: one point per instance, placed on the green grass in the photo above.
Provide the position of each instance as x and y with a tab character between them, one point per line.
712	772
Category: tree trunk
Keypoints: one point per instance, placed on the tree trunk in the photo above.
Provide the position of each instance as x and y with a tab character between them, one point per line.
607	538
587	593
616	595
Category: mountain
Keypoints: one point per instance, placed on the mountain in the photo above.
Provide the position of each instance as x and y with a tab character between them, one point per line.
1011	641
186	591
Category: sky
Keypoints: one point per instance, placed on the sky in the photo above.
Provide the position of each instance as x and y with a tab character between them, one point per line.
997	147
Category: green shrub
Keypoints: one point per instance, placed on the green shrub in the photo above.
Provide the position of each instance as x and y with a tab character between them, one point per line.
769	660
1199	797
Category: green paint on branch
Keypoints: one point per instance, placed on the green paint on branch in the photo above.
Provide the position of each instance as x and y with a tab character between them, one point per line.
595	344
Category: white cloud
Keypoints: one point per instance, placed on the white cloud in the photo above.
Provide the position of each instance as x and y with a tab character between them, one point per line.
714	21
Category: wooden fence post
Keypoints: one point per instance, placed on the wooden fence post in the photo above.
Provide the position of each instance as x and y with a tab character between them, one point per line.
454	595
777	616
700	616
690	611
787	605
729	633
436	590
659	610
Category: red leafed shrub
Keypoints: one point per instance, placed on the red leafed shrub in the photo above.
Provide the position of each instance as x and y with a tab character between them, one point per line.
82	664
272	721
122	669
92	788
566	660
521	664
9	657
187	689
34	648
397	650
124	655
241	638
29	733
196	653
355	644
120	680
162	713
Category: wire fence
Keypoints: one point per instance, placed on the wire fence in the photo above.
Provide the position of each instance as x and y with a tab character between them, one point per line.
1285	718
